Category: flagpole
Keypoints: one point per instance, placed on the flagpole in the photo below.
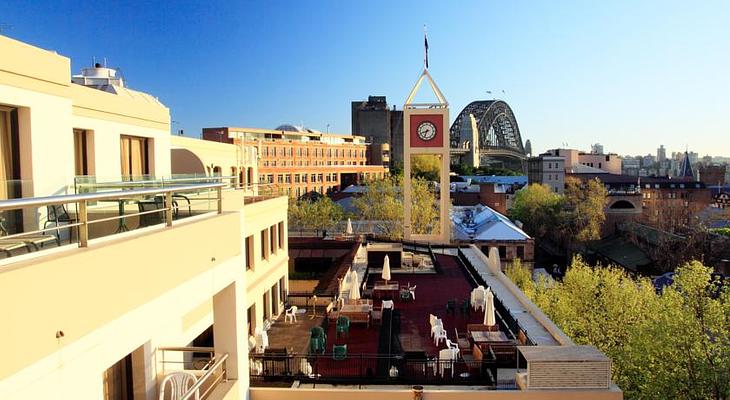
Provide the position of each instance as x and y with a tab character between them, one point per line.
425	47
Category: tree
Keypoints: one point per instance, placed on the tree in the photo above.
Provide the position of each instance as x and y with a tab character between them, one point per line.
426	166
424	211
586	204
382	205
319	214
539	209
674	344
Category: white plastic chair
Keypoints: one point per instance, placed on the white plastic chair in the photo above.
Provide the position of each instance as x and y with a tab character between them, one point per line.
412	289
446	360
478	298
291	314
439	335
432	319
176	384
305	367
436	326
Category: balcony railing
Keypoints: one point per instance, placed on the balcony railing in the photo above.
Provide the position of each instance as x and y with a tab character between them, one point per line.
254	193
75	215
410	368
208	367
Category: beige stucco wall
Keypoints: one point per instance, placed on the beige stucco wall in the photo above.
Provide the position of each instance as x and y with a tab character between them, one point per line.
266	273
80	290
37	82
211	154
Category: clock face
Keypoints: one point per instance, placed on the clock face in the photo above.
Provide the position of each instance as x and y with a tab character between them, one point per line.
426	130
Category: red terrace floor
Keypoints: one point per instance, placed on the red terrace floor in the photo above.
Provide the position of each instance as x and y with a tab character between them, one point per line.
432	293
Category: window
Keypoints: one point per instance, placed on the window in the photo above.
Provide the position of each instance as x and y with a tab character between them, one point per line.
282	289
272	238
249	253
521	252
117	380
9	157
267	306
135	163
265	244
502	252
250	317
281	234
83	152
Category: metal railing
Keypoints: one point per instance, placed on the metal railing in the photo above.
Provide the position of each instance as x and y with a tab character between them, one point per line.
254	193
88	184
203	359
504	315
165	207
407	368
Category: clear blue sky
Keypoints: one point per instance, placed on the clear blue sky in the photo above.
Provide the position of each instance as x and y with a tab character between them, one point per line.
630	75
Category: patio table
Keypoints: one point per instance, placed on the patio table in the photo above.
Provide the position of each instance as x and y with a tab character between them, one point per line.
381	290
489	337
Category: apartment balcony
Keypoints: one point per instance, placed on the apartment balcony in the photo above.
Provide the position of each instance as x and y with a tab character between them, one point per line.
105	280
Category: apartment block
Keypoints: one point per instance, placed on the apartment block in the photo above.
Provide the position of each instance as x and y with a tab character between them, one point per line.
301	160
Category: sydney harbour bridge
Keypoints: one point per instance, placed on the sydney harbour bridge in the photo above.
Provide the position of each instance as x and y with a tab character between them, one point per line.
486	133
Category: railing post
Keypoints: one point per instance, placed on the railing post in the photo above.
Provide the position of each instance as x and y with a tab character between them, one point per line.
168	209
219	193
84	224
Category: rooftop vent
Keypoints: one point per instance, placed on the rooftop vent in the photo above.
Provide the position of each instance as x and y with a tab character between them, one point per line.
98	76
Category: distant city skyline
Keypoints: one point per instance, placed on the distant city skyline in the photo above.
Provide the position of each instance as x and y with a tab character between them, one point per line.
628	75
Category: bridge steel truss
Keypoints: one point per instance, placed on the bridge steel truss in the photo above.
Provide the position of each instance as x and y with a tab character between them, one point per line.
499	133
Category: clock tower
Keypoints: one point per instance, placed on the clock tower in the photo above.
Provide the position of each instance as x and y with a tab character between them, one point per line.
426	142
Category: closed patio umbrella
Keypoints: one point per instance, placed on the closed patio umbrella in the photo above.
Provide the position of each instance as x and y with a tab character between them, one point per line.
386	269
489	318
494	261
354	286
348	230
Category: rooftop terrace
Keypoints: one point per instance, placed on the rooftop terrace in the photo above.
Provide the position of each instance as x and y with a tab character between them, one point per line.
397	347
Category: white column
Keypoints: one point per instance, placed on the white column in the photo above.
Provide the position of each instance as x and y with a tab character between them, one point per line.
229	322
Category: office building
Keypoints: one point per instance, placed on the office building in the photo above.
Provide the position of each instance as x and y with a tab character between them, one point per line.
378	123
610	163
302	160
547	169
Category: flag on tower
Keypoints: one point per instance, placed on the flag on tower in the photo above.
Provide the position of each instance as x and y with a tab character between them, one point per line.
425	44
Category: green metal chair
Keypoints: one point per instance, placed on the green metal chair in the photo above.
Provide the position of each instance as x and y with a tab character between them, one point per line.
451	307
343	325
465	307
405	295
339	352
316	345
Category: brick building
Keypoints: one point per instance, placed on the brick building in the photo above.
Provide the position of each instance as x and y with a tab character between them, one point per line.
664	202
302	160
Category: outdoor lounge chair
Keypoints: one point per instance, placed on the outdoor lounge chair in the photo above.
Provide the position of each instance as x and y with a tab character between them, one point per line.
8	245
339	352
57	214
29	242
